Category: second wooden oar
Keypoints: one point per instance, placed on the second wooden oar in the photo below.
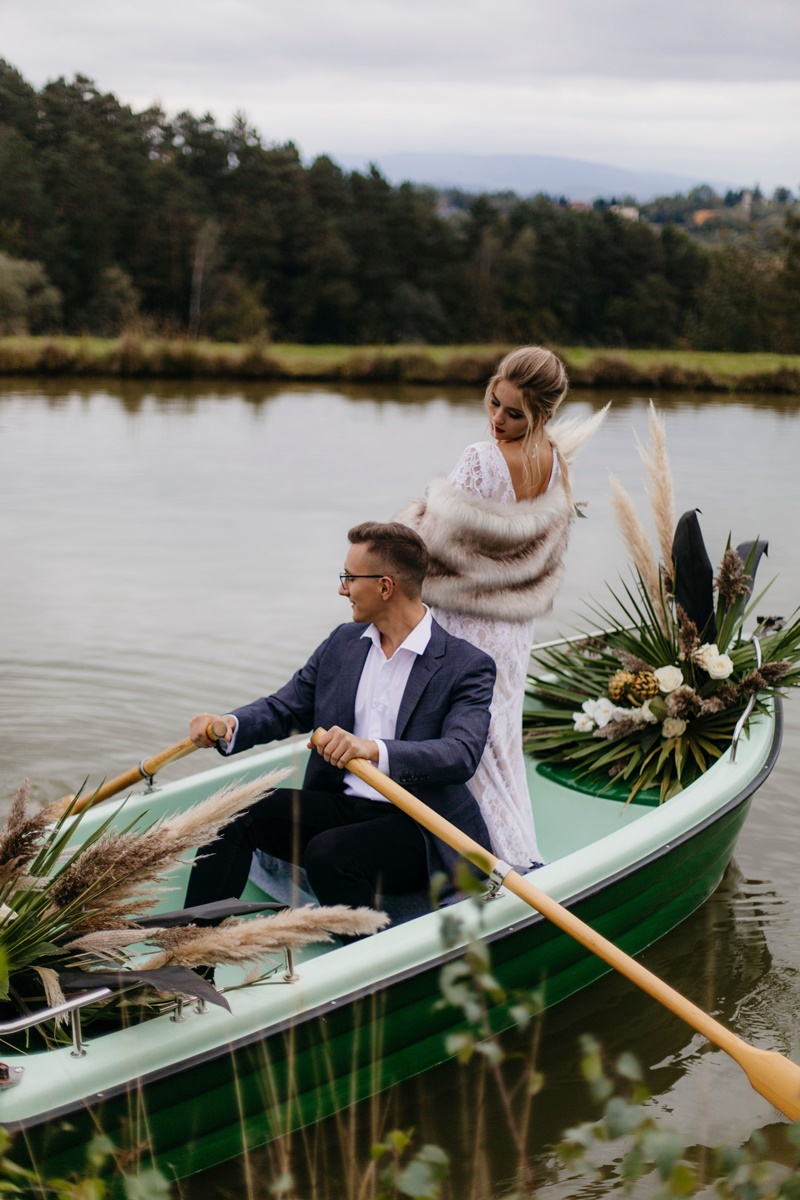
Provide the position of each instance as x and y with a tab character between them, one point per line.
774	1077
145	770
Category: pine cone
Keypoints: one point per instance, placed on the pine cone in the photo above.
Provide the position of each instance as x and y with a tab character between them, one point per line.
645	685
620	683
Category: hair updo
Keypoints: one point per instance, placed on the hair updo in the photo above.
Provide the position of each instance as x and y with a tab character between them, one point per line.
541	379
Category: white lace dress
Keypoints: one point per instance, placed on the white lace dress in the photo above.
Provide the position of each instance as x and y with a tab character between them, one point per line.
500	784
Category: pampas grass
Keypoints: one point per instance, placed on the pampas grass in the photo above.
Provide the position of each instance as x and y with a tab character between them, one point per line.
115	875
656	581
82	912
52	988
636	541
660	492
22	836
245	941
78	913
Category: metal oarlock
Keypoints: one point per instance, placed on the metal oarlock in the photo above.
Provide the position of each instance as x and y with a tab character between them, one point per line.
147	777
496	877
78	1048
290	975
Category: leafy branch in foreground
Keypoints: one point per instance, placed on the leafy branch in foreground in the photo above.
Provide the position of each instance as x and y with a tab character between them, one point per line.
653	700
650	1151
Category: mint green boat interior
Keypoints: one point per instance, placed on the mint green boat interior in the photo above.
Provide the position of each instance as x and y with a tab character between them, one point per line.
589	841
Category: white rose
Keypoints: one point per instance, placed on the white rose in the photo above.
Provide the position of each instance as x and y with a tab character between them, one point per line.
604	711
583	723
707	651
719	667
668	678
647	714
673	727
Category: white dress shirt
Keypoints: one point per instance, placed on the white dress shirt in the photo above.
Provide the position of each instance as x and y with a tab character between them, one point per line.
380	693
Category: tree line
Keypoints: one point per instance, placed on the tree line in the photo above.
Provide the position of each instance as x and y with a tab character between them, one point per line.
111	219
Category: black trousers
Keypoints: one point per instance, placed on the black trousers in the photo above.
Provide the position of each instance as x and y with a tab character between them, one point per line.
353	850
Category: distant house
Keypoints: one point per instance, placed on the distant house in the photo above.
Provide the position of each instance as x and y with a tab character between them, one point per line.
627	211
701	215
579	206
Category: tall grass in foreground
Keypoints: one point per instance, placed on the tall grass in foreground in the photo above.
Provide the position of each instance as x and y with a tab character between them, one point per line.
625	1149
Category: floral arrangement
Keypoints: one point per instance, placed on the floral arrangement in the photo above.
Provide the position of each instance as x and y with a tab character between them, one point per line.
653	700
72	908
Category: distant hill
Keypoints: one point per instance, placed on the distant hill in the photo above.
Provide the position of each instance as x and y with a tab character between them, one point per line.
527	174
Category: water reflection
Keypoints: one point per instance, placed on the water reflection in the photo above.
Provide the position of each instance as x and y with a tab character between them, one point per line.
134	395
170	546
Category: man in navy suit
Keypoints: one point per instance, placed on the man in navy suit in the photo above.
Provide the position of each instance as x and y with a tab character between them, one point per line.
392	687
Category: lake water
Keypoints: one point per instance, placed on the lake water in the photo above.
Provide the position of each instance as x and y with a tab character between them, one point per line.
174	547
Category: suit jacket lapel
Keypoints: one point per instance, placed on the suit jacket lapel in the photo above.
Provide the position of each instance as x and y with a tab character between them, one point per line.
352	666
422	672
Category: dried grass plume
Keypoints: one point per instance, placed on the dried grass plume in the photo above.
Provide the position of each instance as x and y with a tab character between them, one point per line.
660	492
22	836
244	941
114	876
636	541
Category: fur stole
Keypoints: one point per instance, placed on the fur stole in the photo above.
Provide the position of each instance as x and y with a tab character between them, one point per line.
493	560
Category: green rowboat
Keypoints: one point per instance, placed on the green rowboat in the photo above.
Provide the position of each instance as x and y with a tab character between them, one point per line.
194	1088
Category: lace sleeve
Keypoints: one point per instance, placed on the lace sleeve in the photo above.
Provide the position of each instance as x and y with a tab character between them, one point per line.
472	472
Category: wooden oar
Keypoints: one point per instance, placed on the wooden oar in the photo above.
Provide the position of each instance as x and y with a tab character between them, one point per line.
146	769
774	1077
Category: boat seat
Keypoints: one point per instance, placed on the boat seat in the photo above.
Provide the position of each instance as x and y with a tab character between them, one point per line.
289	884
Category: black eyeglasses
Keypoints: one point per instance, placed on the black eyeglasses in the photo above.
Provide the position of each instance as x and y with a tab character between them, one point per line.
345	580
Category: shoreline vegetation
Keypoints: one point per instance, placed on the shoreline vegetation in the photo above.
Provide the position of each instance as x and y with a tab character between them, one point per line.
135	357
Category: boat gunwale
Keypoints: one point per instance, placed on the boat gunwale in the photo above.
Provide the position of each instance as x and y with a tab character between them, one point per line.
428	964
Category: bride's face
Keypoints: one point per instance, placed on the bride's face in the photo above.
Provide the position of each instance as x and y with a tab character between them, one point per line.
506	412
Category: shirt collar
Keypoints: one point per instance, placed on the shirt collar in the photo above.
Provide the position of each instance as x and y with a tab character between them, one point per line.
416	641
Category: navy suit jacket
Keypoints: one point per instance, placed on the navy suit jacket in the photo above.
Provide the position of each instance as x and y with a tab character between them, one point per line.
441	731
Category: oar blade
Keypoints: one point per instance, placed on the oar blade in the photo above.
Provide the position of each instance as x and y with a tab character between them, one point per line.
774	1077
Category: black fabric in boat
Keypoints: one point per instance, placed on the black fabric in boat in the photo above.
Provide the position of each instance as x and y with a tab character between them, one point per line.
164	979
208	914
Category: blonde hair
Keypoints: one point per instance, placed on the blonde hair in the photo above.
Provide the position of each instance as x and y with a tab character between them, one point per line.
541	379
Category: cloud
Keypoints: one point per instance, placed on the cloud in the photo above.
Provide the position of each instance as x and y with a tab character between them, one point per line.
515	41
740	132
678	87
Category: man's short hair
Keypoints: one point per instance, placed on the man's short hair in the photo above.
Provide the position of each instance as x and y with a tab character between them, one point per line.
400	551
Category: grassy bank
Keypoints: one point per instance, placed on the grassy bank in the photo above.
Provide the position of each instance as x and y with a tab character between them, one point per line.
135	357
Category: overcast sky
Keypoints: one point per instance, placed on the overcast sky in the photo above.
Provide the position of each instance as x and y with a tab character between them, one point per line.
709	89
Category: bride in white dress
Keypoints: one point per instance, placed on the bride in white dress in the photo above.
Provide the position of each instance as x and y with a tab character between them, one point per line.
496	531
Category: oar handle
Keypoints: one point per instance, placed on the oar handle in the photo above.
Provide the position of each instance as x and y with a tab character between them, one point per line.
146	769
770	1074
